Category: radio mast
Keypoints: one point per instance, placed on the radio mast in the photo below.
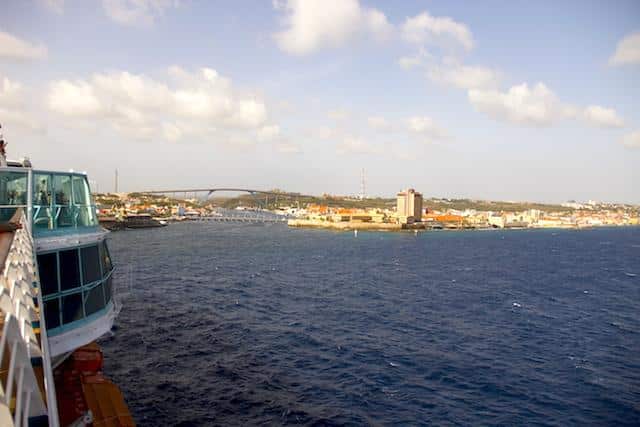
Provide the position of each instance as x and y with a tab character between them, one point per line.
363	193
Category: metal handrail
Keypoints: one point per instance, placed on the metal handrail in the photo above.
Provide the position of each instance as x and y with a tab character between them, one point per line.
19	285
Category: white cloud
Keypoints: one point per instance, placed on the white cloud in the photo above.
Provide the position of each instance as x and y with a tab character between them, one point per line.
602	117
137	91
424	28
19	119
137	12
184	104
15	48
631	140
339	114
354	145
627	51
417	60
12	106
268	133
74	98
10	92
310	25
464	76
324	133
56	6
249	113
172	132
409	62
288	148
425	127
537	106
379	123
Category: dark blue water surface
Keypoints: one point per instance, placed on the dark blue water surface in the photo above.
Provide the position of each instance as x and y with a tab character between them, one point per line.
234	324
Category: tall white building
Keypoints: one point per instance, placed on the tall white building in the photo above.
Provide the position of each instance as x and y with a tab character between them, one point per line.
409	206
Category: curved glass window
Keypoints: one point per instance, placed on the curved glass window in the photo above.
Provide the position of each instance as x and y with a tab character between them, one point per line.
13	193
72	308
48	268
90	264
63	215
69	269
75	283
52	313
94	299
42	201
62	201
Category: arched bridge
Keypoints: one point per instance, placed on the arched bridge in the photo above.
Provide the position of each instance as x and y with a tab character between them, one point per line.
231	215
210	191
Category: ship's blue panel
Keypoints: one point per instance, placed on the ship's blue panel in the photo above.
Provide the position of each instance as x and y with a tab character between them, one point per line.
78	284
79	323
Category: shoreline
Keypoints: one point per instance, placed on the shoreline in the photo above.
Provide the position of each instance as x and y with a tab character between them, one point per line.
368	226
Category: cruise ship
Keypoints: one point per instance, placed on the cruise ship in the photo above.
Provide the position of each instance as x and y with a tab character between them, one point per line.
56	299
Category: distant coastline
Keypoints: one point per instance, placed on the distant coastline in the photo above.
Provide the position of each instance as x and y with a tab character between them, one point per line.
422	226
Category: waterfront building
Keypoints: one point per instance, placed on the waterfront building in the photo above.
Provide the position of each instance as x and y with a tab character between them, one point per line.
409	206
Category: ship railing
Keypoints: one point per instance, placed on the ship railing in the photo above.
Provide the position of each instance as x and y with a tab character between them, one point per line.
27	391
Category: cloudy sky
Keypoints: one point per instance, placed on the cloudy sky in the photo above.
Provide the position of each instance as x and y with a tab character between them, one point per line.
495	99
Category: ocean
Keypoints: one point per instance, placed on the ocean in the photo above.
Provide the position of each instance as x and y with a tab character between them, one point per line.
235	324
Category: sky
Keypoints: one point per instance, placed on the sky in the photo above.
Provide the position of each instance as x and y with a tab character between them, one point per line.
501	100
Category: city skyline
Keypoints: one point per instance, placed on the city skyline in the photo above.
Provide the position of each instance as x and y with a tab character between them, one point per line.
494	101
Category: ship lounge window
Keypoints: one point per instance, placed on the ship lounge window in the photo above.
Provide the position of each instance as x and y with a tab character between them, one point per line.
106	259
42	208
62	200
72	308
48	268
76	283
107	290
86	215
52	313
13	192
94	300
90	264
69	269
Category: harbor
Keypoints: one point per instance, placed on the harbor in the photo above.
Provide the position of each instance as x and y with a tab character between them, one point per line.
319	213
302	326
409	210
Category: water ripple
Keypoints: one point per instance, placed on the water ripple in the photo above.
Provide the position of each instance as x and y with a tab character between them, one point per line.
231	325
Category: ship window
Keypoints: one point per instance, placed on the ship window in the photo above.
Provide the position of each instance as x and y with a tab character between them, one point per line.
48	268
107	291
62	198
87	216
106	259
71	308
69	269
13	186
81	194
90	264
62	189
93	300
42	189
42	212
52	313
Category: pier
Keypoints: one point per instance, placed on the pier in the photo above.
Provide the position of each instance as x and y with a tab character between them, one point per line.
242	216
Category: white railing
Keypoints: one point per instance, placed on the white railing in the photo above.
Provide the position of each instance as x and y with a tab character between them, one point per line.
20	397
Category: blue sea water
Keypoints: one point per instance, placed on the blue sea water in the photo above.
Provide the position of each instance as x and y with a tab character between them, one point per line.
228	324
